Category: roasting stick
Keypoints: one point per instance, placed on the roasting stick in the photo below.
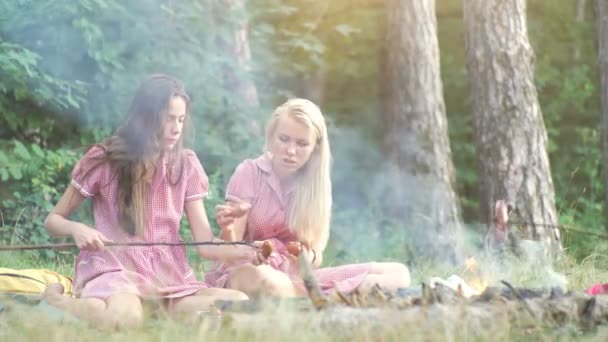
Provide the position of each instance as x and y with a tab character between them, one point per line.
124	244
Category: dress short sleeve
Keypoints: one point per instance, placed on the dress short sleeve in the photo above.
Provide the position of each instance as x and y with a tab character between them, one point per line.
91	172
243	185
198	182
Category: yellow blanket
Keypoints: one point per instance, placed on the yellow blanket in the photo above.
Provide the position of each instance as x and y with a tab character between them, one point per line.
31	281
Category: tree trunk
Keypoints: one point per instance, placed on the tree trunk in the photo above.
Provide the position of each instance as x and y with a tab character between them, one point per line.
312	86
416	132
602	34
511	139
236	47
579	19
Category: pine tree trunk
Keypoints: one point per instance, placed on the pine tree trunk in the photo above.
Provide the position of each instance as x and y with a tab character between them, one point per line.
511	139
602	34
236	48
416	132
579	19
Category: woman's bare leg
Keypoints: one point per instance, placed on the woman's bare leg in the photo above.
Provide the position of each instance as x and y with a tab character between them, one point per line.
202	300
389	275
122	310
262	280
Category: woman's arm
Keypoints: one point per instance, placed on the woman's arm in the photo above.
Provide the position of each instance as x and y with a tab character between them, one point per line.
201	231
58	224
232	218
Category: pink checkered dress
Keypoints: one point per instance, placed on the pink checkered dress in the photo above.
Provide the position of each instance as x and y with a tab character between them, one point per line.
255	182
149	272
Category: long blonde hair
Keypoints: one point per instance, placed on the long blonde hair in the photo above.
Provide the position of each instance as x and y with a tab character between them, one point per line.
309	213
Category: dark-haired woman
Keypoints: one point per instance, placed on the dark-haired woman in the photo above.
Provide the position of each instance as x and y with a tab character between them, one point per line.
141	181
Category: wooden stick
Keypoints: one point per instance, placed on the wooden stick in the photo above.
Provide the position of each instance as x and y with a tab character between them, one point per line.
124	244
310	282
561	226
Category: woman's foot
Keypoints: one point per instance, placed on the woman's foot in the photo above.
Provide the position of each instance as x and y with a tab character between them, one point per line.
53	293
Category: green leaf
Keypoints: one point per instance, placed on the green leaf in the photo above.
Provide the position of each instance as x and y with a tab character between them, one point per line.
4	174
37	150
15	172
21	151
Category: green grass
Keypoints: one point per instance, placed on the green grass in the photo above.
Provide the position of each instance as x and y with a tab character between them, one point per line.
436	323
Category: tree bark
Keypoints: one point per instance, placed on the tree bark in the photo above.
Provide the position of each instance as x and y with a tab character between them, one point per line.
416	131
579	19
601	8
236	47
511	140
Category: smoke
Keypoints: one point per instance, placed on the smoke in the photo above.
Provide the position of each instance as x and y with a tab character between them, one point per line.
382	213
381	210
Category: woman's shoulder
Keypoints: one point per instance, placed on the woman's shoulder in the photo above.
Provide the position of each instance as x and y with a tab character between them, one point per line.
188	153
245	181
94	156
92	170
190	159
96	151
259	164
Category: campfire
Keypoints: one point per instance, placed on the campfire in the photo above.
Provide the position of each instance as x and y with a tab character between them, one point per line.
474	296
472	284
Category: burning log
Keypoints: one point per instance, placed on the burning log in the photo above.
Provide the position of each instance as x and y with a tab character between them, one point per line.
527	308
522	307
544	306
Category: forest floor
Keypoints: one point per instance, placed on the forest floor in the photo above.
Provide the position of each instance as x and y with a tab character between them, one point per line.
275	322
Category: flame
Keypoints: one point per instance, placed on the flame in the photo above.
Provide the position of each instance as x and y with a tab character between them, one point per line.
470	264
473	276
470	284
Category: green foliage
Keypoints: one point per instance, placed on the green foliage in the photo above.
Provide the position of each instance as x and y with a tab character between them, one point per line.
568	88
24	88
36	179
69	68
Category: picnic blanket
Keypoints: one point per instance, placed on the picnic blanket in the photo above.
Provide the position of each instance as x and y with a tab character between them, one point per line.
31	281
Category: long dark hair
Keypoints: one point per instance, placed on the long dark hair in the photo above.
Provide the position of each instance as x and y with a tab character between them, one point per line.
135	148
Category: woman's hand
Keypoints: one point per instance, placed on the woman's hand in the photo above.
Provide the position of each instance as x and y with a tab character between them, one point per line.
88	238
256	253
226	214
295	248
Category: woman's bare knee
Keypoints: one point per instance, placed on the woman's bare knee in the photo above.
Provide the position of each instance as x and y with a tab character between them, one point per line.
124	311
390	275
401	274
388	267
223	294
261	280
276	283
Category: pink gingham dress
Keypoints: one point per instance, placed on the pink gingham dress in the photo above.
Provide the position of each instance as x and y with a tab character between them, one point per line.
255	182
150	271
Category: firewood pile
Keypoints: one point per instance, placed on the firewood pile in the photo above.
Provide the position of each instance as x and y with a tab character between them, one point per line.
441	303
549	307
546	307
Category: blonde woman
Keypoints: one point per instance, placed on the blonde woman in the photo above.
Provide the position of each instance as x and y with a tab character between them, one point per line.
285	196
